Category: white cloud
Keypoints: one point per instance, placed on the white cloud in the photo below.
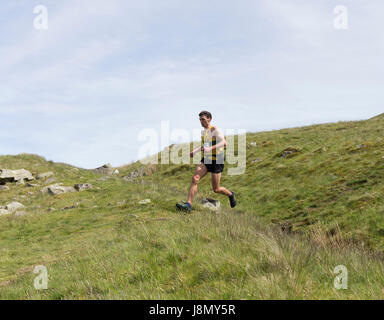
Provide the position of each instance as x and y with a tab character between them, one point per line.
106	69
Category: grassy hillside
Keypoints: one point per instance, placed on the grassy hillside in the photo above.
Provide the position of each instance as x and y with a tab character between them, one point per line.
298	217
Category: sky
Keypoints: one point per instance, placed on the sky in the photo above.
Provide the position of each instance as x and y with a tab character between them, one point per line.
82	90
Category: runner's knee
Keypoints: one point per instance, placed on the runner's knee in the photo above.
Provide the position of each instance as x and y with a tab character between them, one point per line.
216	189
195	179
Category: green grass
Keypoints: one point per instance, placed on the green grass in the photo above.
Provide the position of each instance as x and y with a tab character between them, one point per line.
297	218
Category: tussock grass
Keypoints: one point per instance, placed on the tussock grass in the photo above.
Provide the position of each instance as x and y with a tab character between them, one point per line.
298	217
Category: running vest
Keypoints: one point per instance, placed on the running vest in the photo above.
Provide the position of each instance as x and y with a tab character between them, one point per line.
207	140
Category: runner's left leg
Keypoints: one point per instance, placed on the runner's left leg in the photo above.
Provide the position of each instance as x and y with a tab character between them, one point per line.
201	171
215	177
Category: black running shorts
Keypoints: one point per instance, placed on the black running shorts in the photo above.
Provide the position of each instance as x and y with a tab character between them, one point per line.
213	166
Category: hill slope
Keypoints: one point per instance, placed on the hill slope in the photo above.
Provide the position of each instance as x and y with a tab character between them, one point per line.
299	215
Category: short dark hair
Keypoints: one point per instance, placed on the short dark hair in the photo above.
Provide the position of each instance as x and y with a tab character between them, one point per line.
205	113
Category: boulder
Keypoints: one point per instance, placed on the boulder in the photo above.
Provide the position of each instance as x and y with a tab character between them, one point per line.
45	189
288	152
4	212
14	175
135	174
28	184
13	206
105	169
57	188
4	188
83	186
70	207
211	204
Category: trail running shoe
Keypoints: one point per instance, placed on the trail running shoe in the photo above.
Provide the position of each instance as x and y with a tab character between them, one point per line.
232	200
185	206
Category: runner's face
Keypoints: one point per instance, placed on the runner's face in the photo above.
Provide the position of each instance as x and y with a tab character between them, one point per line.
205	121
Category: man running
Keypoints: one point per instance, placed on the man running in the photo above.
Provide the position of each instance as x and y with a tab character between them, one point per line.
213	143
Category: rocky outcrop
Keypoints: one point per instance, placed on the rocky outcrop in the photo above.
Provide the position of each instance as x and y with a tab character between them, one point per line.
289	152
14	176
14	206
105	169
57	188
83	186
10	208
211	204
141	172
4	211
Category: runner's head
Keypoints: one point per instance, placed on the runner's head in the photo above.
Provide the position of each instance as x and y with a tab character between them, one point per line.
205	118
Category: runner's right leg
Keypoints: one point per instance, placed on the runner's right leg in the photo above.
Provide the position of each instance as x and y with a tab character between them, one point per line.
200	172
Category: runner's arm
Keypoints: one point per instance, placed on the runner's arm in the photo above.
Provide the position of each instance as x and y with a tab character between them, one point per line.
196	150
220	139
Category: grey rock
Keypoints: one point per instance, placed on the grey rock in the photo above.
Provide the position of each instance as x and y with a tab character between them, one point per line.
4	212
83	186
211	204
286	153
15	175
105	169
104	178
57	188
45	189
13	206
28	184
4	188
20	213
135	174
69	207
